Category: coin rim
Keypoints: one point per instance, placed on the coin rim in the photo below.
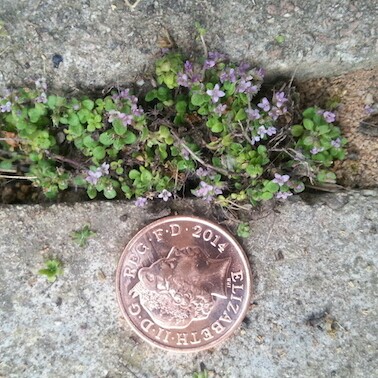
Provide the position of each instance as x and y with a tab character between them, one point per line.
248	290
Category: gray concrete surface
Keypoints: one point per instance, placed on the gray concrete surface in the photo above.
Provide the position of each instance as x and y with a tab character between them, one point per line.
105	43
314	311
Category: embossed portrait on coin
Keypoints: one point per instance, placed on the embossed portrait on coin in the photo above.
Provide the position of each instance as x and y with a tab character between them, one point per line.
182	287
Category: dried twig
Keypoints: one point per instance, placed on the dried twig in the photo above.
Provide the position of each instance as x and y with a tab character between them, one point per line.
222	171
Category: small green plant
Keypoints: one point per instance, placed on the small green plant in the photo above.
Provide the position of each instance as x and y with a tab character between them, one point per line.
280	38
243	230
81	236
201	374
53	269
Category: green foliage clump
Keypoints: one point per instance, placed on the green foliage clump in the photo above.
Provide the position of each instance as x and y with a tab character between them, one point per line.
81	236
53	269
204	126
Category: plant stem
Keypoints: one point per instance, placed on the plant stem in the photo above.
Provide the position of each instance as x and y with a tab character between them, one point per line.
222	171
18	177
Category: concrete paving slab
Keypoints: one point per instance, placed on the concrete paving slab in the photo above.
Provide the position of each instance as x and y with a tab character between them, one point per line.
105	43
314	310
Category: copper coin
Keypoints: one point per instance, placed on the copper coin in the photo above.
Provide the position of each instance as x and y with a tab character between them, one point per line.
183	284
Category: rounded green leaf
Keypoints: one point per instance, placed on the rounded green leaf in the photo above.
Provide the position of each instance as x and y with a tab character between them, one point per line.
110	193
198	99
308	124
297	130
99	152
88	104
106	139
129	138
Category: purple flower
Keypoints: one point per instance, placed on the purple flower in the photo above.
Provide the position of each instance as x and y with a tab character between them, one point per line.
104	169
243	68
113	114
253	114
92	177
76	106
243	86
42	98
165	195
215	93
280	180
183	79
209	64
329	117
369	109
188	67
6	108
264	104
140	202
126	119
220	109
136	110
214	55
200	172
255	139
279	98
274	113
185	153
271	131
261	131
283	195
336	143
41	84
316	150
207	191
228	75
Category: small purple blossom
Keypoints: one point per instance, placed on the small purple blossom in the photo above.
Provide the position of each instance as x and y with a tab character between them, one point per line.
214	55
200	172
274	113
113	114
76	107
185	153
6	108
165	195
92	177
316	150
243	68
215	93
369	109
261	131
137	110
104	169
329	117
228	75
183	79
264	104
188	66
253	114
207	191
283	195
280	180
126	119
243	86
209	64
41	84
279	99
255	139
140	202
336	143
271	131
42	98
220	109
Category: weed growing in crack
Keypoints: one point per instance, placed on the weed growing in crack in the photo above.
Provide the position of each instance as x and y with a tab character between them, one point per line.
206	126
